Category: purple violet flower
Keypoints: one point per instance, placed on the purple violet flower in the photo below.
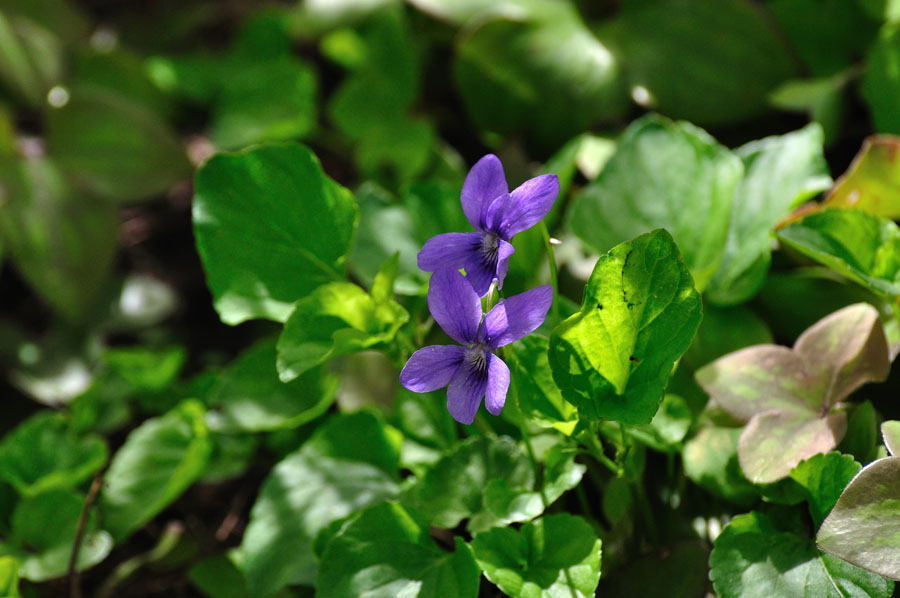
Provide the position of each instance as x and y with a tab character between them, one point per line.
497	215
472	371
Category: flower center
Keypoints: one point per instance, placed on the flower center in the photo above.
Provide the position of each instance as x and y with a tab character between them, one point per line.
489	246
476	359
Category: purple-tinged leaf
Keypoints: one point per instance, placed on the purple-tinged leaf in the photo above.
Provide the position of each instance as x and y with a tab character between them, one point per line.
454	305
847	349
774	442
757	379
516	317
891	432
864	526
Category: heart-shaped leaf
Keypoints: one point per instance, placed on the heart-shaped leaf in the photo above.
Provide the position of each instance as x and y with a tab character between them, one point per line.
786	395
639	314
862	527
823	478
556	555
386	551
663	175
271	227
753	558
336	319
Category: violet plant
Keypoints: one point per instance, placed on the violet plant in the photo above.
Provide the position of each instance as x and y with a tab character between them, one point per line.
689	408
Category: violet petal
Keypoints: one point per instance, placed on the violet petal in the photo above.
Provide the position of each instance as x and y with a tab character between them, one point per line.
515	317
504	252
483	184
497	384
431	368
528	205
448	250
454	305
467	387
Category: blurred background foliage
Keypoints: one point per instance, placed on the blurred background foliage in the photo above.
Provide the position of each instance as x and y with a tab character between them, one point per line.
107	107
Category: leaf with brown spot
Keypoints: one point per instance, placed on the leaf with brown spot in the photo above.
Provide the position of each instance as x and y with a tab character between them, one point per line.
872	183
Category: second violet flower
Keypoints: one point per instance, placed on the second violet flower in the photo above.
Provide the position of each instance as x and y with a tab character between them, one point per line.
497	215
472	371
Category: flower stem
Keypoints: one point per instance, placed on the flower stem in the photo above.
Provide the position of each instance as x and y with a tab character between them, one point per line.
554	275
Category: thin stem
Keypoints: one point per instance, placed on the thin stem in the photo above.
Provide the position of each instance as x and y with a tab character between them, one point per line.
74	575
554	275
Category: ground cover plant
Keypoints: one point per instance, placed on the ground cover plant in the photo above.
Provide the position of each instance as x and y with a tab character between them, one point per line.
443	298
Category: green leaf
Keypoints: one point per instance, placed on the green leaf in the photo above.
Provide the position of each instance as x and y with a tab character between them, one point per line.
539	398
454	489
44	528
669	426
9	577
112	147
147	369
42	454
335	319
267	94
653	574
556	555
821	98
891	432
861	440
638	316
62	17
880	83
711	461
828	35
870	183
561	473
273	101
388	226
858	245
270	227
510	67
62	243
372	106
663	175
724	330
671	55
159	460
32	57
862	527
251	398
386	551
219	576
121	73
360	436
349	464
780	172
823	478
752	558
